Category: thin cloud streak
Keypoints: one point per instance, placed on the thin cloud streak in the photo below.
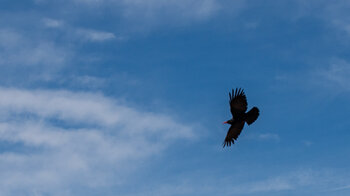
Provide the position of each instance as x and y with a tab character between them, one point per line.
93	35
81	33
341	188
52	23
269	136
264	136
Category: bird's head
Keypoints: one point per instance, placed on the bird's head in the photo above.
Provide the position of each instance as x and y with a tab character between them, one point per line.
228	122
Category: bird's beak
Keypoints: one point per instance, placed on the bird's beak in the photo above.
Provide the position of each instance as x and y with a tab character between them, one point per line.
224	122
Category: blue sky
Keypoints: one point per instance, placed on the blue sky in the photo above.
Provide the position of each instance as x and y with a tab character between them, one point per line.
103	97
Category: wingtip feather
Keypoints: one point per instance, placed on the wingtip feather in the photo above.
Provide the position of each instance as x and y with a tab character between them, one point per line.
228	143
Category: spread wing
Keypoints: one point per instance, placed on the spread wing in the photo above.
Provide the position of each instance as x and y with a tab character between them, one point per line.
252	115
233	133
238	102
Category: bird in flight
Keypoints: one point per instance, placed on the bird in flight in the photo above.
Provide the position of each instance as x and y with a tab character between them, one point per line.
238	105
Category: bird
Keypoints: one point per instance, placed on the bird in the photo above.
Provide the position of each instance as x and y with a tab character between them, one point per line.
238	105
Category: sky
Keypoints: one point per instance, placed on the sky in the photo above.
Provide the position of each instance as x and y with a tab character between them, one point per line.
127	98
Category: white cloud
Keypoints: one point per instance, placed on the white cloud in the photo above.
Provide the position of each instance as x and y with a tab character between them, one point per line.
335	13
264	136
36	58
139	15
58	140
341	188
296	181
251	25
93	35
81	33
269	136
276	184
337	74
18	50
307	143
90	81
290	181
333	75
48	22
190	9
151	8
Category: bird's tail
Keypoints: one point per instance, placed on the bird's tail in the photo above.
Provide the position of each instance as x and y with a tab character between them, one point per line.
252	115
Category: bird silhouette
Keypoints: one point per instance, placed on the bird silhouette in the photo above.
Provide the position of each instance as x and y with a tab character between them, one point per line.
238	105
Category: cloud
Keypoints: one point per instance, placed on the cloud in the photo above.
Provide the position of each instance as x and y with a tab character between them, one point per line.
78	33
280	183
336	75
314	181
265	136
269	136
90	81
307	143
153	9
187	187
40	58
341	188
60	140
334	14
93	35
332	75
140	16
48	22
275	184
27	58
296	181
337	14
18	50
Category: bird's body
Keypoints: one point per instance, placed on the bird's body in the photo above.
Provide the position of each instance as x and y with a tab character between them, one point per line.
238	106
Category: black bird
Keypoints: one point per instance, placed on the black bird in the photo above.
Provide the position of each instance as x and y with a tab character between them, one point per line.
238	105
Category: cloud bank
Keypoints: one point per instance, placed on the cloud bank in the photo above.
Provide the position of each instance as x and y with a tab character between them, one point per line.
57	141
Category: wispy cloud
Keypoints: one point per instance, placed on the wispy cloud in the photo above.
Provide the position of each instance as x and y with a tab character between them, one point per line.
75	139
79	33
334	14
93	35
269	136
275	184
296	181
280	183
52	23
264	136
143	16
333	75
337	74
17	50
40	58
341	188
90	81
307	143
180	9
153	9
314	181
